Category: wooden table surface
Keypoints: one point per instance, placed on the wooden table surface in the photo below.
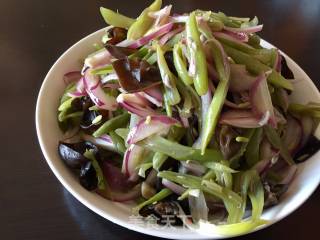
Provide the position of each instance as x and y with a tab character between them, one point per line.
33	34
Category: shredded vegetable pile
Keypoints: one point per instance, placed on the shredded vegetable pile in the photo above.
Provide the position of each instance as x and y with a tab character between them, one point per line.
187	115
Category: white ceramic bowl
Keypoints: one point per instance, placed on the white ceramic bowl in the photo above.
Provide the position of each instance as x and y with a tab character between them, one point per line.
305	182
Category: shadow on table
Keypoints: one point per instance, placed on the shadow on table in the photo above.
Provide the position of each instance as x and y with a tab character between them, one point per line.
94	226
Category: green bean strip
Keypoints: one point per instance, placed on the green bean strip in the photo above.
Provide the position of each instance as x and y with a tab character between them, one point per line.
252	152
249	184
175	134
180	64
167	106
143	22
254	41
65	115
178	151
103	70
118	142
141	53
234	161
70	88
158	160
101	180
66	104
265	56
256	195
224	168
277	143
311	109
156	198
197	55
223	69
256	67
210	187
112	124
122	132
152	59
116	19
168	79
224	177
212	115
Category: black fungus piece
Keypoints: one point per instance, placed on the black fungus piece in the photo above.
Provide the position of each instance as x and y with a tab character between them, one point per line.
117	35
87	118
170	163
81	104
88	177
285	70
311	147
169	59
136	75
165	212
119	52
72	153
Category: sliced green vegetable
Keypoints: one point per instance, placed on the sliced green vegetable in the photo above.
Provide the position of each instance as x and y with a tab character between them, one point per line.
156	198
65	115
256	67
168	79
103	70
235	159
178	151
197	56
112	124
122	132
101	180
143	168
194	182
118	142
70	88
116	19
276	142
224	178
212	116
219	167
143	22
266	56
223	70
181	65
311	109
65	105
252	152
175	134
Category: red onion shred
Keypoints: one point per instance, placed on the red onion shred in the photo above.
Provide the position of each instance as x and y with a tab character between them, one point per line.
239	118
261	102
161	16
148	126
173	186
98	96
146	39
163	40
137	104
240	79
240	36
132	158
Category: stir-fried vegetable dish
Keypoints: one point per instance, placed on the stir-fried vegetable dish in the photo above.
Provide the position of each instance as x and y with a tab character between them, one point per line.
186	115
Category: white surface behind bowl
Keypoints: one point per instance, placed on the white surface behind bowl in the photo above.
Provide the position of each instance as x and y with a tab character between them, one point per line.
305	182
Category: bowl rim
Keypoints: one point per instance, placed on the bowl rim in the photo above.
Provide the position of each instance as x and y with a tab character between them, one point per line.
114	219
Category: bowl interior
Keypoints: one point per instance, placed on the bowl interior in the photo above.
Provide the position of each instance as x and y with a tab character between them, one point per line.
305	182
